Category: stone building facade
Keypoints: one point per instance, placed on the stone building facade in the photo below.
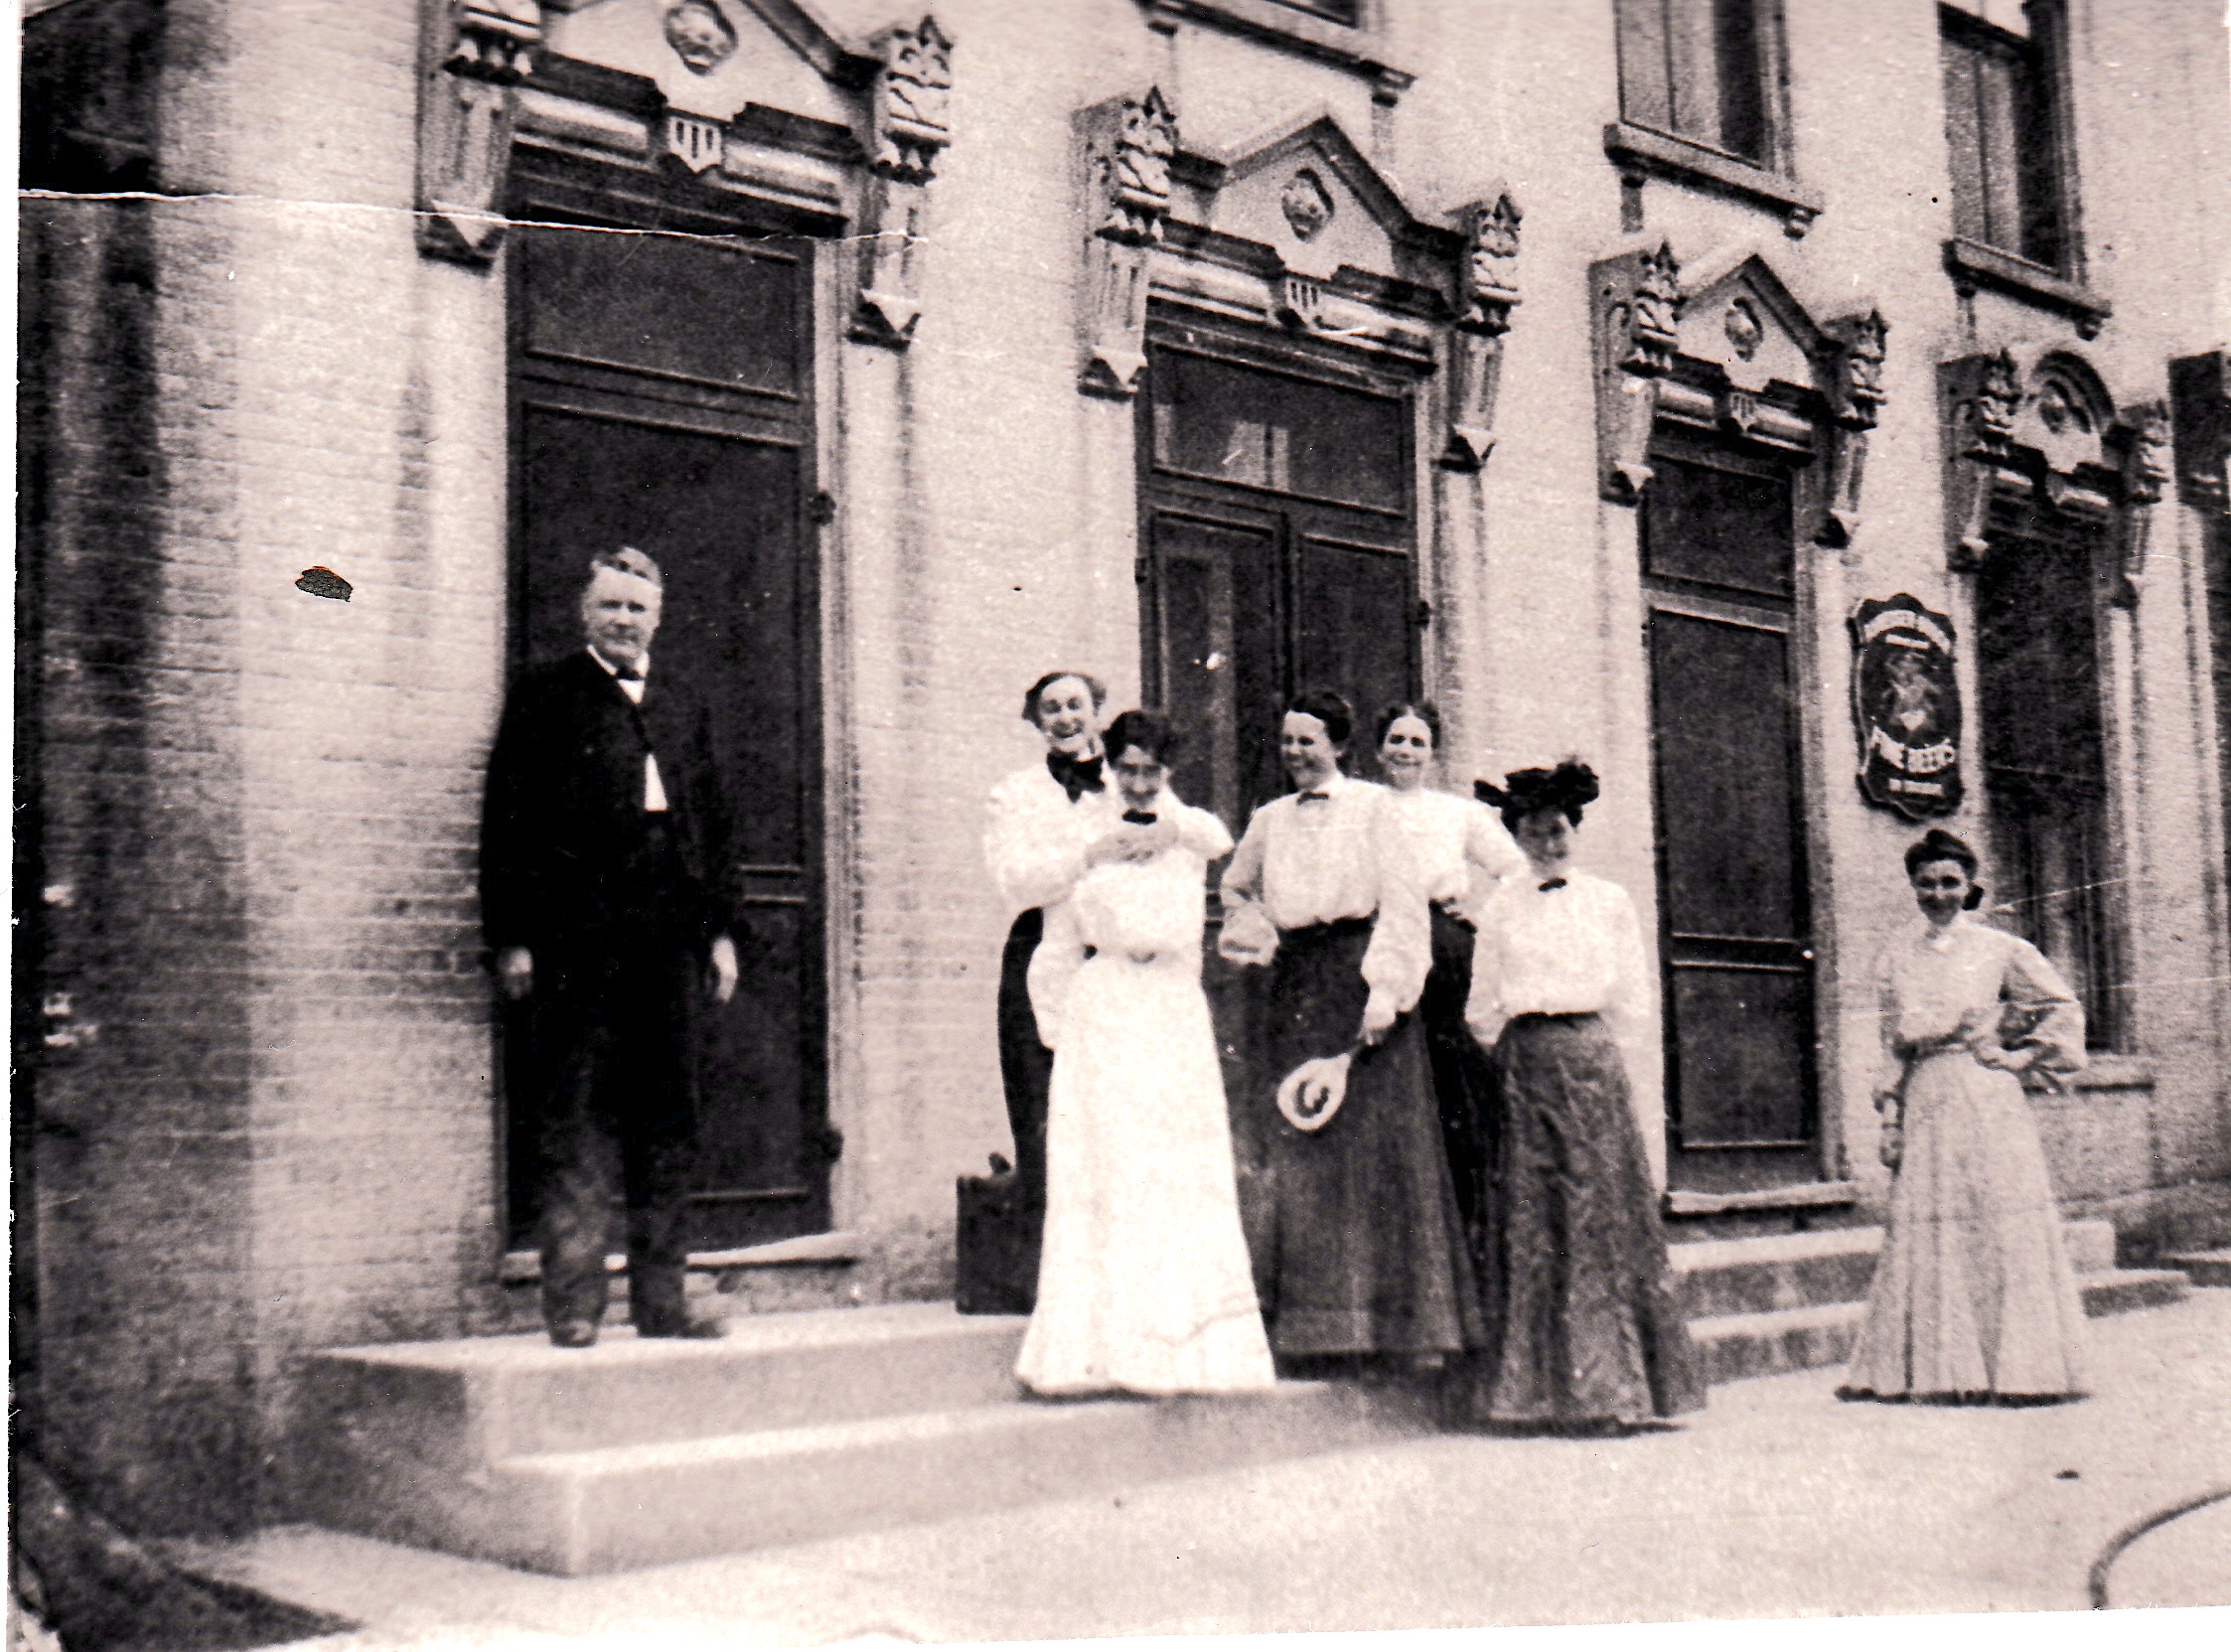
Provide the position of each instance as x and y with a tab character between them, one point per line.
1600	369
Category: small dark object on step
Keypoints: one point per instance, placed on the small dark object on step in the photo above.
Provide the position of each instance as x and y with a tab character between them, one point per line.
995	1243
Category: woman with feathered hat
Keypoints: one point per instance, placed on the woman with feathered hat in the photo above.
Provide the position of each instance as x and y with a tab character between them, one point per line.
1586	1332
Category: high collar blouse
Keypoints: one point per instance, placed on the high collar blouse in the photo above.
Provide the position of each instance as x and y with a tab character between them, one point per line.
1969	985
1035	838
1450	836
1574	949
1315	860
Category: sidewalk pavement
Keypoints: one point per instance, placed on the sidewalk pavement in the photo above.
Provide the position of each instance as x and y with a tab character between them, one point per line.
1778	1501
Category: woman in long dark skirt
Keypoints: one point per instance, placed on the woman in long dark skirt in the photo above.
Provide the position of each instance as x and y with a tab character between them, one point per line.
1363	1251
1585	1328
1458	853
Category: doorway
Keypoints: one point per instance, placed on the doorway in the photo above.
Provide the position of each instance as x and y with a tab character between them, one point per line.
662	398
1735	928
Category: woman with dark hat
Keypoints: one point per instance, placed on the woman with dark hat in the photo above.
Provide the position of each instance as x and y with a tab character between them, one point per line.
1973	1298
1586	1332
1362	1253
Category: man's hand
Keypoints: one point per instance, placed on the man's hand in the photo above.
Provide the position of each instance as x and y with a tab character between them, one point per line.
723	969
514	972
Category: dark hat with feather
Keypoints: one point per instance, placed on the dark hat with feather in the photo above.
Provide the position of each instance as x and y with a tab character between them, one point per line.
1568	788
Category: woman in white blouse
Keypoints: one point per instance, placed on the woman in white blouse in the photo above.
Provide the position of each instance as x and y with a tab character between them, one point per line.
1973	1298
1363	1252
1585	1329
1040	825
1459	853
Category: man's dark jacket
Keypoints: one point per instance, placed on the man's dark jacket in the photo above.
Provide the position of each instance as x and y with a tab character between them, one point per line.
564	830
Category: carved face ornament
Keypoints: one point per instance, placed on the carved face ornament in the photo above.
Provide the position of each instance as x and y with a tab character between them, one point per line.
700	36
1306	204
1743	330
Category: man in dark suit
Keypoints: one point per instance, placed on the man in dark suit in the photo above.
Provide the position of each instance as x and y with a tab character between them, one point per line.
605	892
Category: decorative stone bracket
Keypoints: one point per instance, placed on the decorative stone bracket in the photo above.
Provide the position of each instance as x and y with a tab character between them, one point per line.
1487	292
1856	406
472	56
908	126
2042	430
1636	314
1125	147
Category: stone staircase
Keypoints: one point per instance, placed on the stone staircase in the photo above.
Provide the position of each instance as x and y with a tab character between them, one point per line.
1794	1302
796	1427
814	1424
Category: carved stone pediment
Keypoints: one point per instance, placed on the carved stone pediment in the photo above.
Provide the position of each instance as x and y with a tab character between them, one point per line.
1306	192
1743	321
712	58
2037	426
1724	346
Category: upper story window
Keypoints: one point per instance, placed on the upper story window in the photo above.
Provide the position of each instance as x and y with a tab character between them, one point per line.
2005	132
1698	70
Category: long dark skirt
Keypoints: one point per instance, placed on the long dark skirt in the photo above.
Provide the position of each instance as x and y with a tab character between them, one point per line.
1363	1250
1463	1077
1026	1066
1584	1325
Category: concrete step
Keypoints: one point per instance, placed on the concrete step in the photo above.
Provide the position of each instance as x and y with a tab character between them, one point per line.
584	1513
487	1398
1739	1345
1773	1272
2127	1290
2209	1268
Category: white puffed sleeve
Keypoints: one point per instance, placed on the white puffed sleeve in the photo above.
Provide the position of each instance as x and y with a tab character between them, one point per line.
1034	838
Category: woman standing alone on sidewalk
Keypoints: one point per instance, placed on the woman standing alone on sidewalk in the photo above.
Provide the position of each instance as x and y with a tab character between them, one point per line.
1974	1298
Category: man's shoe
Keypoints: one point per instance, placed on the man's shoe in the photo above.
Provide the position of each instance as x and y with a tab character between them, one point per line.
687	1329
573	1333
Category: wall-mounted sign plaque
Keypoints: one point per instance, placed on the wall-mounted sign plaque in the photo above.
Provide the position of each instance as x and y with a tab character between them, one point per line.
1905	707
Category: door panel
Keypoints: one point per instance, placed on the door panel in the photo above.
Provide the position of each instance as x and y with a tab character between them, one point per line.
603	459
1354	630
1217	610
1733	907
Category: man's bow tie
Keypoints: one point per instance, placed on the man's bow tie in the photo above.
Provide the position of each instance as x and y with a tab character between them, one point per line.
1076	775
1137	817
627	672
1552	883
1315	797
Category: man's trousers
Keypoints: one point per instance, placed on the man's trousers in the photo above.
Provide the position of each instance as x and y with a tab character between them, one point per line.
614	1041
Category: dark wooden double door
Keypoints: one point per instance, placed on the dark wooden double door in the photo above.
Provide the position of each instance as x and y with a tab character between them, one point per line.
660	398
1734	909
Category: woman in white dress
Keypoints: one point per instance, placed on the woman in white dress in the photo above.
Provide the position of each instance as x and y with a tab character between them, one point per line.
1973	1299
1459	853
1144	1283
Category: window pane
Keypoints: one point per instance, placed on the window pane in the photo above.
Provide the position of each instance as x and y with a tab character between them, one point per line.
1742	90
1233	423
1644	96
2001	196
2045	764
2037	168
1692	59
1717	528
1963	133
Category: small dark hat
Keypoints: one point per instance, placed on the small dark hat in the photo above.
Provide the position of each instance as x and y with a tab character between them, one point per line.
1568	788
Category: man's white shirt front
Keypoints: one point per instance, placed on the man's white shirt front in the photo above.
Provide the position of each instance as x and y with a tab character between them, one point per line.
654	790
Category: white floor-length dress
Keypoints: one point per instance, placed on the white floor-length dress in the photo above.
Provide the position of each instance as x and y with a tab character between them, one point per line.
1144	1283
